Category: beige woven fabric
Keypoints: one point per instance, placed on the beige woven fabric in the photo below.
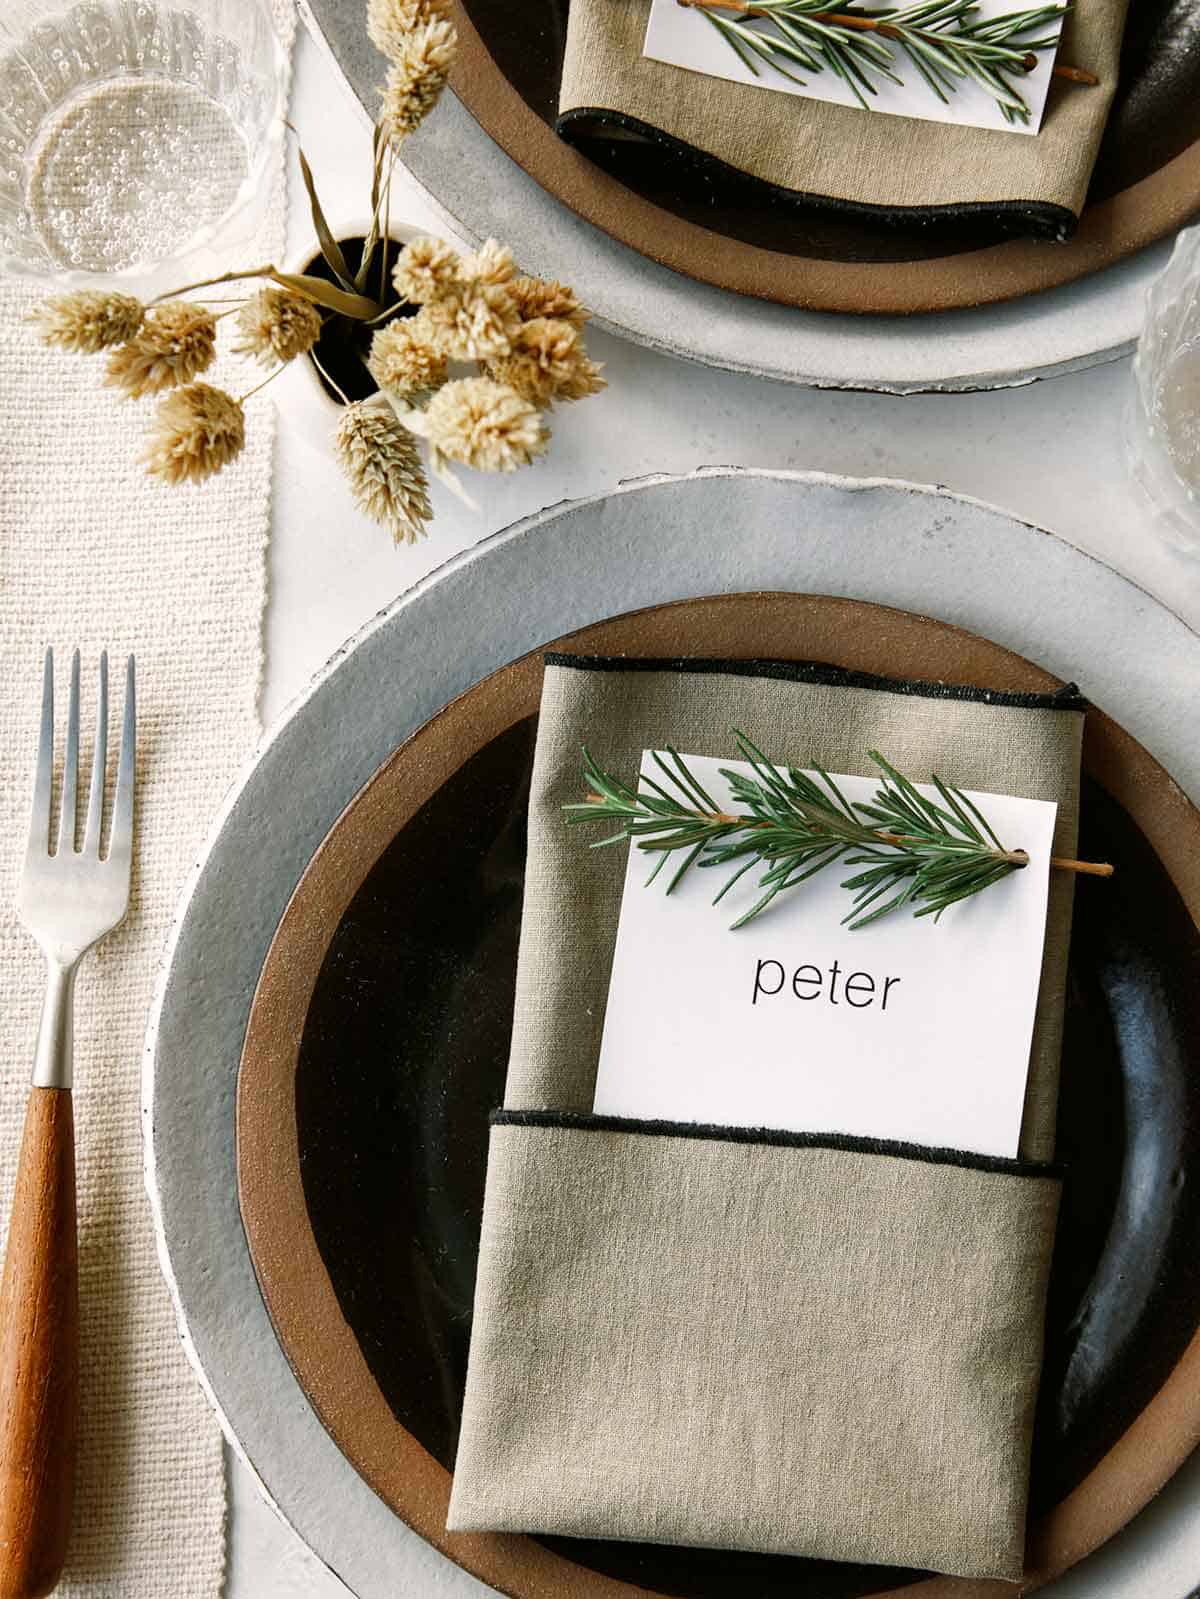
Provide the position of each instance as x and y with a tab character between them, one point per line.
841	152
743	1346
573	895
735	1343
93	554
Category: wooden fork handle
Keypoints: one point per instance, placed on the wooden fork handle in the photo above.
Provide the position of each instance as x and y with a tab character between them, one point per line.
39	1353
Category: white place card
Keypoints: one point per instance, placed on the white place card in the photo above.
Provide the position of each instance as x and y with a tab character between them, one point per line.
907	1029
682	36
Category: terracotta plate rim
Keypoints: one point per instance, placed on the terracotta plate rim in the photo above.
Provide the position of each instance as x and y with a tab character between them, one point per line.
296	1288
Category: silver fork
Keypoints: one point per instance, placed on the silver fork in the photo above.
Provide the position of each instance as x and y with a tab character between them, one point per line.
68	899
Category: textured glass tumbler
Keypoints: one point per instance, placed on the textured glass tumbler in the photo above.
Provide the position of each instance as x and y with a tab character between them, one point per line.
1163	420
137	137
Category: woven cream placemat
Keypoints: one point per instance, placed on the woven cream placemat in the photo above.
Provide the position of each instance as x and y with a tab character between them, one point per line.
94	554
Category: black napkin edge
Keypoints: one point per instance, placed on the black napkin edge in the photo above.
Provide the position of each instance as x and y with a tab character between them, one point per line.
1066	698
1038	219
776	1137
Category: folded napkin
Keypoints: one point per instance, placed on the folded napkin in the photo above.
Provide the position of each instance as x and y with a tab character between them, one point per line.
888	169
786	1343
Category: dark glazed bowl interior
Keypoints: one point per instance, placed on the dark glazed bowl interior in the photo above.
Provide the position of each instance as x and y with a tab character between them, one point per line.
403	1055
1155	116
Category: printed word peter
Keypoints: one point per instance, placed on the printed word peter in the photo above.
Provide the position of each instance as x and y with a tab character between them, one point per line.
858	990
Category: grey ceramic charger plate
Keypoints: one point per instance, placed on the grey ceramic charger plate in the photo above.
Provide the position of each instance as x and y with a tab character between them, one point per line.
480	190
645	545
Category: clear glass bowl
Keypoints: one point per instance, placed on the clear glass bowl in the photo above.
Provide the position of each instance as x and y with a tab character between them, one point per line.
137	137
1163	420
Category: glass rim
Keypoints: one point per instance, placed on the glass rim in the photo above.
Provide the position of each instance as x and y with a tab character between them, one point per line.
268	149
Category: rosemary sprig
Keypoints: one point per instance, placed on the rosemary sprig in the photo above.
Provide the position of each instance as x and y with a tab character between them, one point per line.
946	42
913	850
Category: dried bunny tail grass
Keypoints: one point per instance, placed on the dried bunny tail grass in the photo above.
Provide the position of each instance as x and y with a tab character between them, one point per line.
389	22
424	269
417	76
277	325
545	297
403	358
548	362
175	343
197	431
485	425
382	463
89	320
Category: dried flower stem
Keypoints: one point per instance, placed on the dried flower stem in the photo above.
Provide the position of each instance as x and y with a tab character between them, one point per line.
224	277
387	224
270	378
332	382
315	289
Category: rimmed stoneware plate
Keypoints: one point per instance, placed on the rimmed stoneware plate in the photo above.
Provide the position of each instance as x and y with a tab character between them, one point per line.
643	546
482	187
377	1045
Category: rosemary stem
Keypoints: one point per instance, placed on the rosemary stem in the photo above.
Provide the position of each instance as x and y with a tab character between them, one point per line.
864	24
1014	857
1082	868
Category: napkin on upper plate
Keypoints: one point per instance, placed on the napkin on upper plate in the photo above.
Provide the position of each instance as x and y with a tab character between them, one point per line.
707	1336
886	169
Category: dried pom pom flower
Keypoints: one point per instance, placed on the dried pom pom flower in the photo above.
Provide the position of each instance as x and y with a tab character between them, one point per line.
424	269
417	76
548	362
491	265
484	424
470	314
276	325
389	22
382	463
403	358
474	322
545	297
197	431
175	343
89	320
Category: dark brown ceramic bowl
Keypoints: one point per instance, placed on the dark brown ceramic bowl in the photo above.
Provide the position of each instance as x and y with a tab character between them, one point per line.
1146	183
377	1045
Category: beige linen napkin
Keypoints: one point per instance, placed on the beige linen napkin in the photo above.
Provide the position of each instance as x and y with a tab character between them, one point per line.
94	554
799	1344
897	168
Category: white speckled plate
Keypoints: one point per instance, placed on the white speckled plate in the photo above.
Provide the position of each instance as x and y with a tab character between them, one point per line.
481	191
651	542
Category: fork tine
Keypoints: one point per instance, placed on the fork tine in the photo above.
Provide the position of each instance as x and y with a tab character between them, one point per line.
39	817
70	784
95	813
121	840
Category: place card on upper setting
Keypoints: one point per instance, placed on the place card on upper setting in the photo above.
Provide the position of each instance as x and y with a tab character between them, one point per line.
681	35
907	1029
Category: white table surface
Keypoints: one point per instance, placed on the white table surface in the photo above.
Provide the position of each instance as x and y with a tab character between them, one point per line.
1050	453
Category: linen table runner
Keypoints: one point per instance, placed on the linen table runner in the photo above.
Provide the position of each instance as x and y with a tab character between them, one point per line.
94	554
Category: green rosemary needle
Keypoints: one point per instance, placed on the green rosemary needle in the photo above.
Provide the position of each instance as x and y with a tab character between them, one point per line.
911	849
946	42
